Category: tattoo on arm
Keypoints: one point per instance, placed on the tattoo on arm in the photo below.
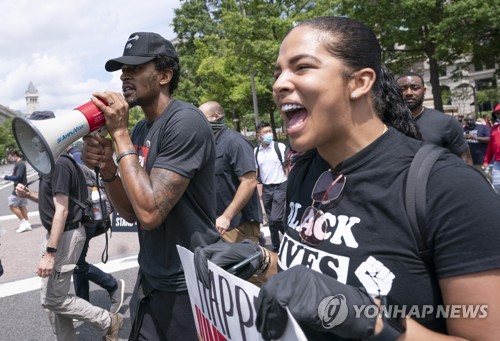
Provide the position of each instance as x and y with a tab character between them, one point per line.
168	187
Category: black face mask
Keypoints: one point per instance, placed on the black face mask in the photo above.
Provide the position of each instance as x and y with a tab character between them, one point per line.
470	124
217	124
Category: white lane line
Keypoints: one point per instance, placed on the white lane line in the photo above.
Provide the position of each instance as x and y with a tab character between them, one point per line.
30	284
13	216
34	283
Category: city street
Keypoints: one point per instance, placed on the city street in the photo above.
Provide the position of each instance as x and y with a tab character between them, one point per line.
21	315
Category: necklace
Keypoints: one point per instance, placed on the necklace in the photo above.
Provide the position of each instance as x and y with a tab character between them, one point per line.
420	113
385	129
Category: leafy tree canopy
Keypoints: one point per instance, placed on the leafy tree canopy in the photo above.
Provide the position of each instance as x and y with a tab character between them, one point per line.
224	45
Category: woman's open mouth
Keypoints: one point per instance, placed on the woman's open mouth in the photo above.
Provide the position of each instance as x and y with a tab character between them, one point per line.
296	116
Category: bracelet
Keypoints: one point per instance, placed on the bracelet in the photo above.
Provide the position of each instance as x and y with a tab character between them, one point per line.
49	249
266	261
112	178
125	153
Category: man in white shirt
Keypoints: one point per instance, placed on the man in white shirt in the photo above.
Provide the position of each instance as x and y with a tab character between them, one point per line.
269	157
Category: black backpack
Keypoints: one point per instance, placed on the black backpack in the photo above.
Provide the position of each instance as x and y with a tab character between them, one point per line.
416	194
87	180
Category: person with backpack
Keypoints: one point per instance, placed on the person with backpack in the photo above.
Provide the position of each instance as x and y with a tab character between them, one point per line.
86	272
350	265
62	246
271	173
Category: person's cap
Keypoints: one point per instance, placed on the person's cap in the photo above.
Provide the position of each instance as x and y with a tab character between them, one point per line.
140	48
41	115
496	109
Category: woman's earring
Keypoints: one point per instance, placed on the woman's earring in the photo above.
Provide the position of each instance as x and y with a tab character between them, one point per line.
354	95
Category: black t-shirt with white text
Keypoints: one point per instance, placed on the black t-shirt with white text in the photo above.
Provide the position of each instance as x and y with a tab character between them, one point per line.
369	242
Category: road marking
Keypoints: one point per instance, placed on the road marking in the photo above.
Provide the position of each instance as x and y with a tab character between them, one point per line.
34	283
13	216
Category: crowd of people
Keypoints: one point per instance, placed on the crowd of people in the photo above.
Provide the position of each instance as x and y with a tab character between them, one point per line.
338	211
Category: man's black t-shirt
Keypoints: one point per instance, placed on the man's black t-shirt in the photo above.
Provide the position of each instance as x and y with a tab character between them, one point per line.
234	158
65	180
179	140
442	130
369	241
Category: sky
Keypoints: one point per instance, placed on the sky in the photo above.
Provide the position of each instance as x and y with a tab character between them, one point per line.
62	46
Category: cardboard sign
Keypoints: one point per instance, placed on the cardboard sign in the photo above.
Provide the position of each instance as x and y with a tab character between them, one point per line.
226	311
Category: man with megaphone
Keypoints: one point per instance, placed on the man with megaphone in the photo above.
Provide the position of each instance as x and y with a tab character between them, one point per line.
162	178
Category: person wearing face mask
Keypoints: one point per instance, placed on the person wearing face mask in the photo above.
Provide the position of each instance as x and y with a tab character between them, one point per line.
493	150
269	156
238	208
477	136
348	242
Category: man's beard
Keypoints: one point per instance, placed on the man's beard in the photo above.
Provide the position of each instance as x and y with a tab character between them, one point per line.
132	102
414	105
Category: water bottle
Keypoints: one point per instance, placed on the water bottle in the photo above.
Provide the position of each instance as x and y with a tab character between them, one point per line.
96	204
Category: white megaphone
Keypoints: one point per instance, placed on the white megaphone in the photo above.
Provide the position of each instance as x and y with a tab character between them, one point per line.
42	142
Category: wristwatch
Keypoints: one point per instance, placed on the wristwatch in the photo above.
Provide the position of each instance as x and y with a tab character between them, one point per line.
51	249
393	327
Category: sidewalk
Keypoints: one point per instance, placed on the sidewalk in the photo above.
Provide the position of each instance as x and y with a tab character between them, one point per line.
20	252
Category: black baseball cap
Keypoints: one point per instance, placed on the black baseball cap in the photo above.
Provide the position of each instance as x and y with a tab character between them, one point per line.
140	48
41	115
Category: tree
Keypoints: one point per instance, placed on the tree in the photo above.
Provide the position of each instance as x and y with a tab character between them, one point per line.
134	115
440	31
7	141
222	44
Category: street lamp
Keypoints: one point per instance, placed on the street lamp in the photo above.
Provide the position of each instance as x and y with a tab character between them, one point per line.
466	85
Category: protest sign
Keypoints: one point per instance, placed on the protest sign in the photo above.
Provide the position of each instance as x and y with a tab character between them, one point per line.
226	310
121	225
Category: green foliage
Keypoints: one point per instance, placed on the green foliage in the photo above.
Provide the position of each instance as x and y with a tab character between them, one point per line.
7	141
488	95
134	115
438	31
222	43
446	95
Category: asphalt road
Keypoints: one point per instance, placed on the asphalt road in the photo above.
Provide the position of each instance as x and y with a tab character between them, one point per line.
21	315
